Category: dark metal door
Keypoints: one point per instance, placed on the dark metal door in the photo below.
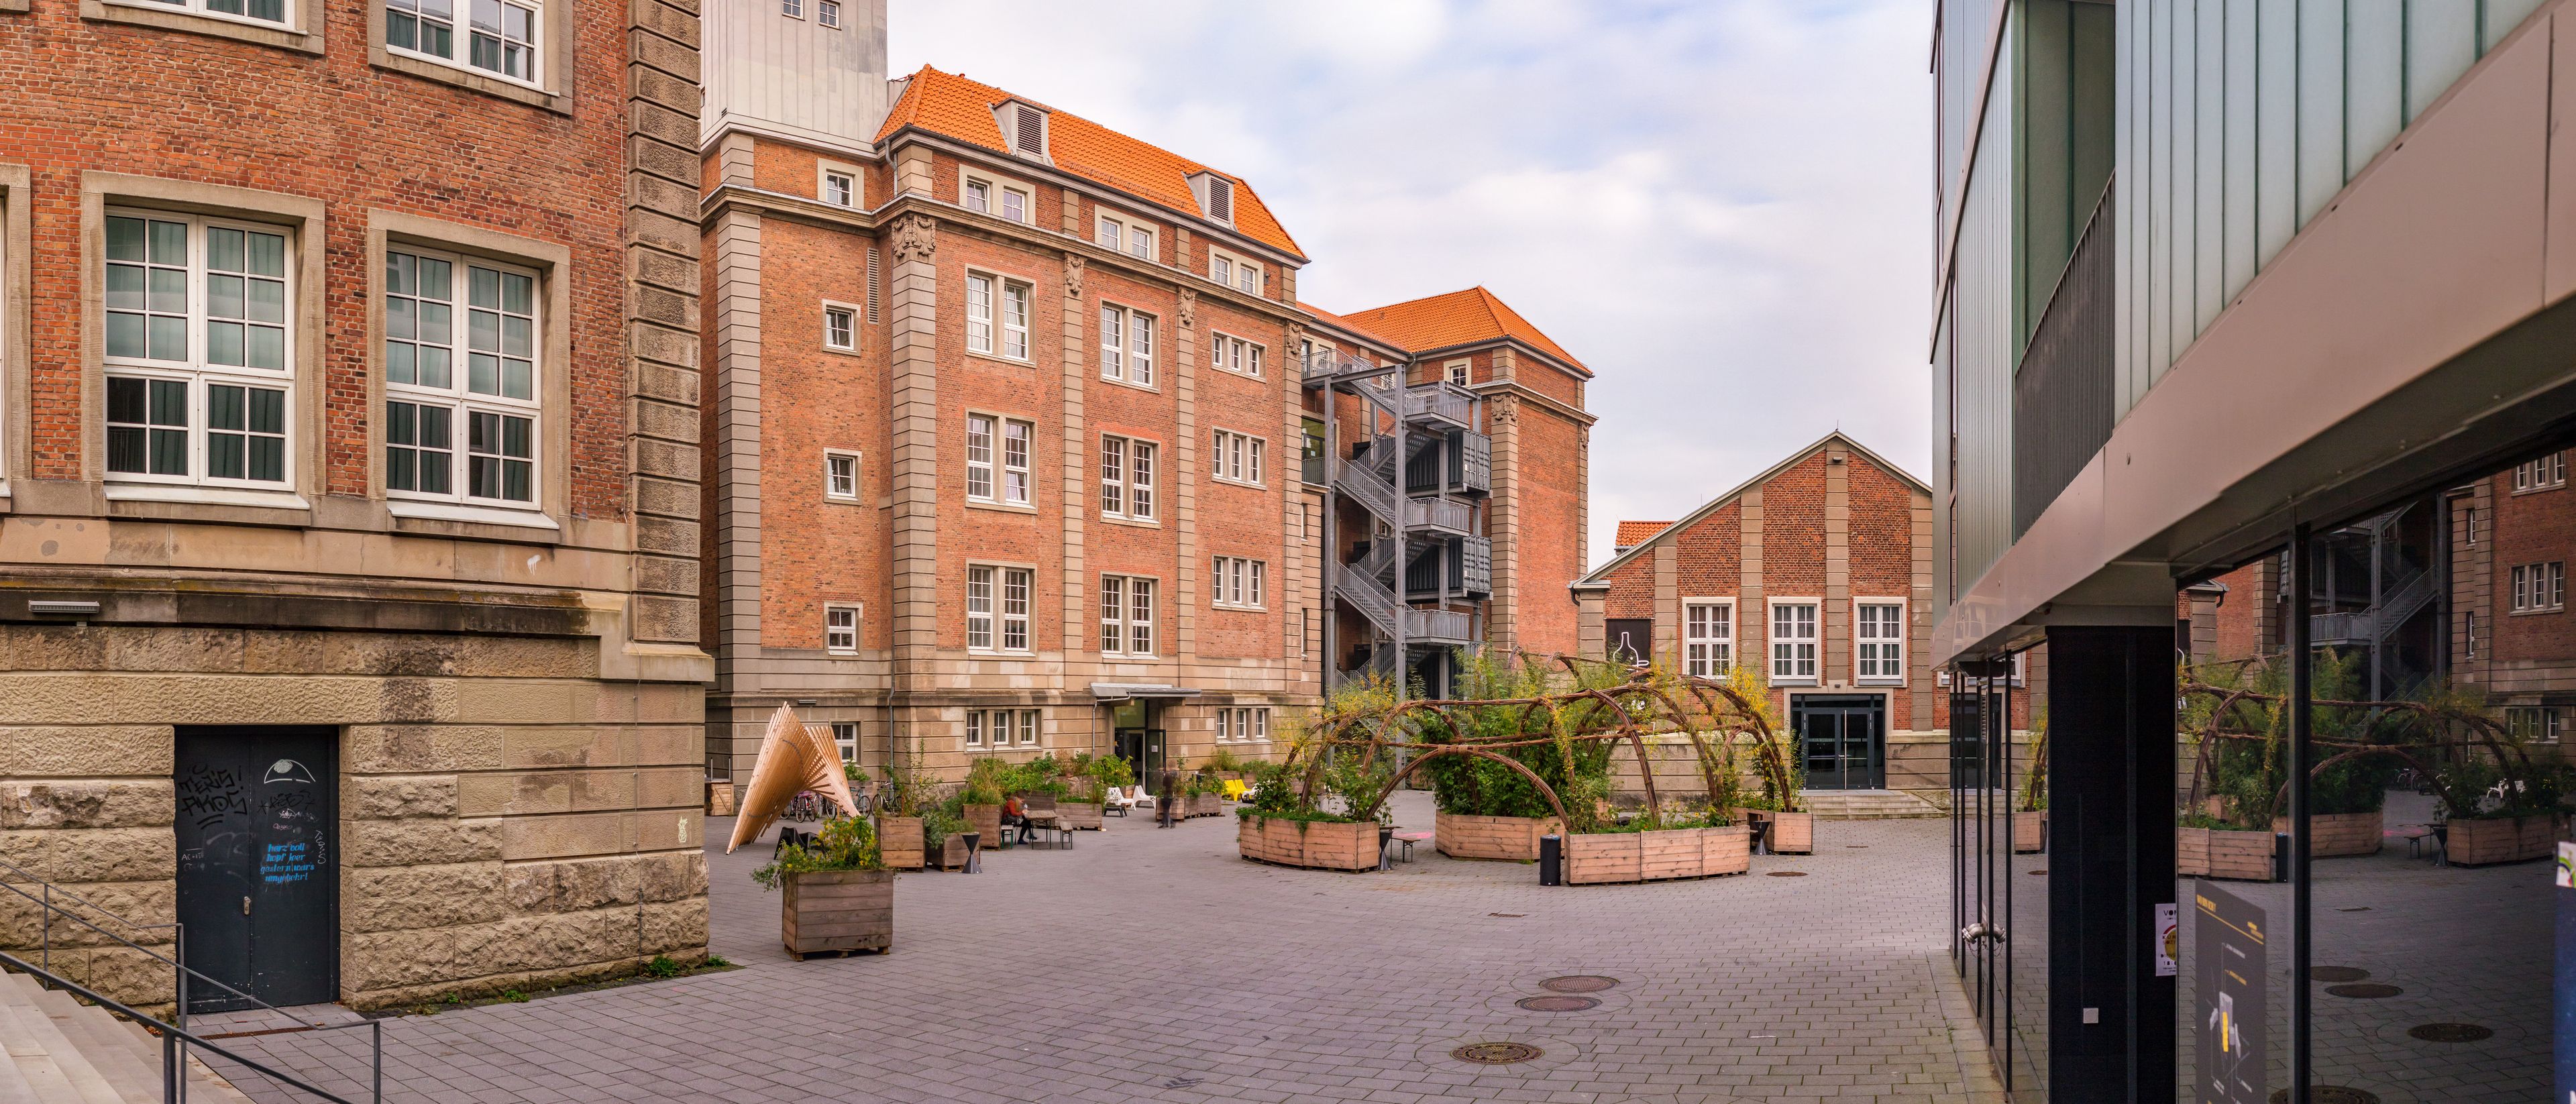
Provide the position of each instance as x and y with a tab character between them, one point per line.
1842	741
257	820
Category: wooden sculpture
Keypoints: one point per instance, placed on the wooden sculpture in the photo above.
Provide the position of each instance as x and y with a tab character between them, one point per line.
793	758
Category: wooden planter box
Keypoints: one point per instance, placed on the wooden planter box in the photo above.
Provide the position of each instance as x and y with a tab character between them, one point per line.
2030	832
2222	853
1597	858
1791	833
838	910
2338	835
1315	845
986	819
1511	839
720	799
1206	805
899	840
1080	815
951	854
2479	842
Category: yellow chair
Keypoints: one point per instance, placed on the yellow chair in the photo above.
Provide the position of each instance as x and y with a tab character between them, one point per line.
1234	789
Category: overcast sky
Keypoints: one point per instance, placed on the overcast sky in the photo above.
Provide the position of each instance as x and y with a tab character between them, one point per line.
1721	206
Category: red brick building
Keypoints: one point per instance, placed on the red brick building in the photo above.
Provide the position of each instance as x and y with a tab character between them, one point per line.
1012	446
1496	451
1817	572
348	417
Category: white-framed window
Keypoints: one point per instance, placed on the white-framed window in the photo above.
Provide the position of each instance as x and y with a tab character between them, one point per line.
461	358
1233	354
840	328
1127	343
1237	458
840	189
792	9
1456	371
845	736
1793	641
2538	723
2469	525
2540	474
1708	638
1242	724
997	459
2540	587
1878	637
1121	234
200	350
1126	478
1000	729
247	11
997	607
840	475
1235	582
498	37
997	197
1126	615
988	296
1234	271
827	13
841	629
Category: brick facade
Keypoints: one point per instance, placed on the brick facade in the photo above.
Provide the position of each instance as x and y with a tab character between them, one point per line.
509	687
1835	526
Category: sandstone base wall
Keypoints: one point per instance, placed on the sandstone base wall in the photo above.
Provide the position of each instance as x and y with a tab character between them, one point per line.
509	819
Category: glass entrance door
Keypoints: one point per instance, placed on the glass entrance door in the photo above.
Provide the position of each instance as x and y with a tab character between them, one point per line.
1842	738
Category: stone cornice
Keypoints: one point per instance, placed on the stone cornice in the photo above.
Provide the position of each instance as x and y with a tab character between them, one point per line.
997	161
1558	407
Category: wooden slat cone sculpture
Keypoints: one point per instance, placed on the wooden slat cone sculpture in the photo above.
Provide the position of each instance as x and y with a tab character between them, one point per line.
792	758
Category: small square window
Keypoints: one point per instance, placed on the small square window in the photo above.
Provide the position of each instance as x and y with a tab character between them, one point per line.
792	9
841	629
840	189
840	328
827	13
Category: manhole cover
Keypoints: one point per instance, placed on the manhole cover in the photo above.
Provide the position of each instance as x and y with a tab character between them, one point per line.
1495	1054
1558	1004
2368	990
1788	873
2450	1032
2328	1094
2338	973
1578	983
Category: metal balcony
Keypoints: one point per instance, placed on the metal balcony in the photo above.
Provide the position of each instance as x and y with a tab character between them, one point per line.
1457	462
1440	404
1439	628
1439	516
1327	365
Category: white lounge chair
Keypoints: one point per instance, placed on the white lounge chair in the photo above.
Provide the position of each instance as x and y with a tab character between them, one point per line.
1141	799
1115	800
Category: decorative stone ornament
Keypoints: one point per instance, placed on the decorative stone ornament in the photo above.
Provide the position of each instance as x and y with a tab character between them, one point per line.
1189	309
916	238
1072	276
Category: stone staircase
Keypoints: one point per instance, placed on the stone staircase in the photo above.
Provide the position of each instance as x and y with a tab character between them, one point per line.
60	1051
1867	805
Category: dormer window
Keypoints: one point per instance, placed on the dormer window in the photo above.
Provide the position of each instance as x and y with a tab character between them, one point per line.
1024	127
1215	195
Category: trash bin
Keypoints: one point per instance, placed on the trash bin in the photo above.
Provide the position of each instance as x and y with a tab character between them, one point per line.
1551	860
973	863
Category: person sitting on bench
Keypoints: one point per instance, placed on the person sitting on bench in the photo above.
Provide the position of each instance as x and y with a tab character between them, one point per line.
1015	814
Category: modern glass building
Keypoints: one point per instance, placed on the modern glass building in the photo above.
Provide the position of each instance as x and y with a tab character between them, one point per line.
2255	367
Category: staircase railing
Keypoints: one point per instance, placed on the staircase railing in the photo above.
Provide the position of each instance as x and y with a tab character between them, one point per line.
175	1036
1373	491
1370	595
174	1041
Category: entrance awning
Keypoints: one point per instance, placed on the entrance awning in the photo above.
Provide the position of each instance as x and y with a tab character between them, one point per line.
1122	691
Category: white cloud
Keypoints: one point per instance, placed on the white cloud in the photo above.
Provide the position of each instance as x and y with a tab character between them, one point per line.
1721	206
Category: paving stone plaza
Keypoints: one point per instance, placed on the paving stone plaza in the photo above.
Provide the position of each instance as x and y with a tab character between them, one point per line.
1156	965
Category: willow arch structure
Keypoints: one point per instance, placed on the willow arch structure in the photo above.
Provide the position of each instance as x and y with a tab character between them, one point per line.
1714	716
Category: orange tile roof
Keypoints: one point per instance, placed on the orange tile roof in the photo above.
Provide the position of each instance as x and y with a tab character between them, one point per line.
1458	318
1345	323
1634	533
949	104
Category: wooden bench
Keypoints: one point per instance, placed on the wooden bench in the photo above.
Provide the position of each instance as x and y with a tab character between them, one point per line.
1408	839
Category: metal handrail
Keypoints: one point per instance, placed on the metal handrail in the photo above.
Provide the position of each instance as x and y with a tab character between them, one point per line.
174	1041
175	1091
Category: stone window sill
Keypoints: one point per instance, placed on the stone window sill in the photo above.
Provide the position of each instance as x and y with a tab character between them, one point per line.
1001	507
479	515
1143	524
443	73
170	19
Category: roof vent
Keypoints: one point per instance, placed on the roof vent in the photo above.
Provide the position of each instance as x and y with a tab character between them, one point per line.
1215	195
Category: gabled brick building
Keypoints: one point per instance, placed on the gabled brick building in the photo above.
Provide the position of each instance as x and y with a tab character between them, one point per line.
1816	570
